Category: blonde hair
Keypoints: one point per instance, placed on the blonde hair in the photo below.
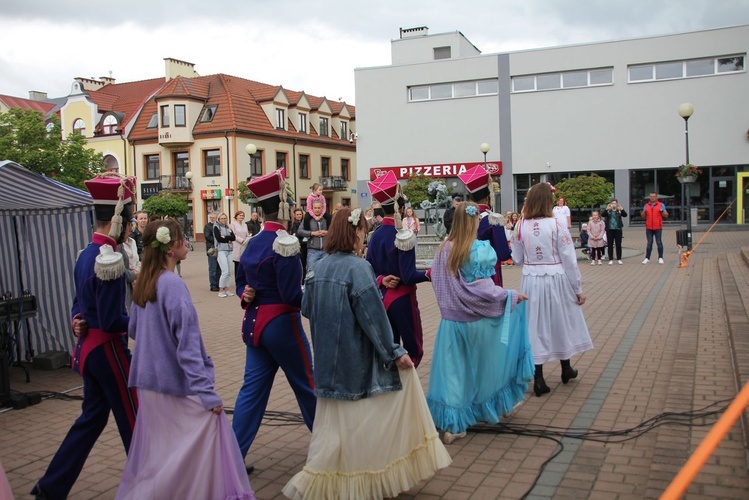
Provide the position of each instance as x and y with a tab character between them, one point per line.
462	236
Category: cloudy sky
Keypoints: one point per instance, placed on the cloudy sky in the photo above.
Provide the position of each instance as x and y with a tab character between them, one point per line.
310	45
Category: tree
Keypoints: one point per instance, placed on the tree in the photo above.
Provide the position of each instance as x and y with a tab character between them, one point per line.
585	191
417	189
27	139
166	204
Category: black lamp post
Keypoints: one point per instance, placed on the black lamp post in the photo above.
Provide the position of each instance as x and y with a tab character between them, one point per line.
250	149
685	111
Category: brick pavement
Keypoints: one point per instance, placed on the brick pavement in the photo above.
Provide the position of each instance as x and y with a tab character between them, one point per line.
666	339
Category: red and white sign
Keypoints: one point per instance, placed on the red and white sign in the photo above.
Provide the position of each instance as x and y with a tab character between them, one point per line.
449	170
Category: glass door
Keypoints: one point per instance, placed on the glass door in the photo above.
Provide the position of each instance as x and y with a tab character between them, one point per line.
723	195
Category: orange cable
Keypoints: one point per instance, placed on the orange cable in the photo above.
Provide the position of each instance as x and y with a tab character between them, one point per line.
688	472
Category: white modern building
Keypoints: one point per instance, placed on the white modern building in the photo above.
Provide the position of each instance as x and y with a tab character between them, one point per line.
611	108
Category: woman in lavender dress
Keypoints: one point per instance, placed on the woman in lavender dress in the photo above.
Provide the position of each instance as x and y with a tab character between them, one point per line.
183	445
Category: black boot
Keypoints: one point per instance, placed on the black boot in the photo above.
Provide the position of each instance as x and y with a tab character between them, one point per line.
539	384
568	372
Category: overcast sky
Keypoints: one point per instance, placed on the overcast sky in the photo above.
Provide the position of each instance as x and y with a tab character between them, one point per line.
310	45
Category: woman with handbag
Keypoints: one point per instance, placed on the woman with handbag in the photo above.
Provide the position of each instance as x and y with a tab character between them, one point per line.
552	281
482	360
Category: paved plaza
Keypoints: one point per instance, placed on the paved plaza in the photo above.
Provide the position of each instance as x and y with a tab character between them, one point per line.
667	339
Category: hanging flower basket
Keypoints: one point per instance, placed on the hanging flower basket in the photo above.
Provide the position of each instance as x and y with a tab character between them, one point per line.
687	173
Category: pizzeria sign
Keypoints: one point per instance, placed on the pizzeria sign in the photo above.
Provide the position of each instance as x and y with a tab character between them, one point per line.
448	170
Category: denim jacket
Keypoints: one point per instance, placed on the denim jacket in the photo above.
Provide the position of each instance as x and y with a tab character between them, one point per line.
351	335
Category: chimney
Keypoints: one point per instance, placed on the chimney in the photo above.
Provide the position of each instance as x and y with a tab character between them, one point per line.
36	95
108	80
175	68
89	83
414	32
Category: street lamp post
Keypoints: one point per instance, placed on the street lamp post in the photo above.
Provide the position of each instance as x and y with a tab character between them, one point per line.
484	149
250	149
685	111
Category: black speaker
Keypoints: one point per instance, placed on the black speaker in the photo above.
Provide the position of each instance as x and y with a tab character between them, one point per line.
4	380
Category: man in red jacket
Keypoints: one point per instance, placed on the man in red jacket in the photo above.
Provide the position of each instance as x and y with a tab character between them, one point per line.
654	212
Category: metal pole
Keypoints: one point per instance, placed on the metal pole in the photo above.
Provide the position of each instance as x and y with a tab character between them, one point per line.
688	188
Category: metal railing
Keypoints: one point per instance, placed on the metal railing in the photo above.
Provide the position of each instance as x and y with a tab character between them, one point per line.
175	183
336	183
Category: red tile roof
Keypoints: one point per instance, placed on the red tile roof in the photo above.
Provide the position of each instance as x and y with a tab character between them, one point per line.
19	102
126	98
238	107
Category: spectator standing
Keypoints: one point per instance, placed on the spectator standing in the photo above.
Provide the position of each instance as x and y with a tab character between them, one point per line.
314	228
584	239
141	219
241	233
614	225
254	225
183	445
222	236
214	271
654	212
562	213
410	221
596	237
447	217
551	280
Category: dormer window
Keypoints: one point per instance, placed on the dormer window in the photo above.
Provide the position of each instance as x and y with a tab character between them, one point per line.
209	113
344	130
154	121
280	119
303	123
110	125
324	127
79	126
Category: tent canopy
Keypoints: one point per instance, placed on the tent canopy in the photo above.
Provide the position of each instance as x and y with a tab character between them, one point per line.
43	225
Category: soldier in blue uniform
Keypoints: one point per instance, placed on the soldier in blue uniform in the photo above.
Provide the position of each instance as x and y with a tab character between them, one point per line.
479	184
100	321
269	283
392	252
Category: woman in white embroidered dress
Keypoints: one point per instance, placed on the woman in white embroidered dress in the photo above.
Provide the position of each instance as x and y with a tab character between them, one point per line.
552	282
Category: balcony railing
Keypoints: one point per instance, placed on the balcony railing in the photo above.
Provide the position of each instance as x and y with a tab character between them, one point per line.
335	183
175	183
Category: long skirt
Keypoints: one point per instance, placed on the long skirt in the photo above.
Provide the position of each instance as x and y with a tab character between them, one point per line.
477	375
556	324
181	450
372	448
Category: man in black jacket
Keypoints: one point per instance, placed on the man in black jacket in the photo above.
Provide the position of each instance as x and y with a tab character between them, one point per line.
447	218
253	225
214	273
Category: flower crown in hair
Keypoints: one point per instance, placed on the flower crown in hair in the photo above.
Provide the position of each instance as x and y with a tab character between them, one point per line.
162	239
354	217
472	211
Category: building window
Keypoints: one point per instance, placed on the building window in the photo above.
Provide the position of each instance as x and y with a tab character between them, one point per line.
563	80
280	119
304	166
442	53
153	172
324	127
181	166
325	166
79	126
179	115
673	70
453	90
110	125
280	159
209	113
303	123
345	169
256	164
154	121
344	130
164	116
212	162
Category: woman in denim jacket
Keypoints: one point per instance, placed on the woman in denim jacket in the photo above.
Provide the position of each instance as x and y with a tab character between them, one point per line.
363	380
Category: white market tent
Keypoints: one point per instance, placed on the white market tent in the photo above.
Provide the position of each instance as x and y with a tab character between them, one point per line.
43	226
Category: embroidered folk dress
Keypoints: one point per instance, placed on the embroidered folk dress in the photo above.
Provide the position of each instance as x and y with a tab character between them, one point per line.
552	281
477	374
